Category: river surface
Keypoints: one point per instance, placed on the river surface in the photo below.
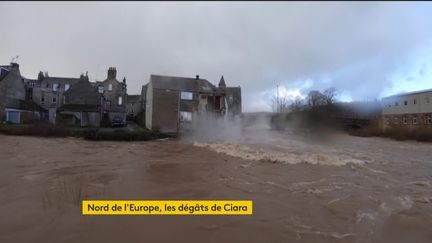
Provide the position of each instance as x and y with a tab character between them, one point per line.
335	188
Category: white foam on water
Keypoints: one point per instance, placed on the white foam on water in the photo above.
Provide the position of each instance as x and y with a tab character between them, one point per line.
268	155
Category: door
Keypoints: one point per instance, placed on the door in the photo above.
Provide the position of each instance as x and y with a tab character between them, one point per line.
13	116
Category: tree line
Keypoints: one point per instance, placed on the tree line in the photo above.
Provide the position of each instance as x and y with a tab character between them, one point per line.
313	100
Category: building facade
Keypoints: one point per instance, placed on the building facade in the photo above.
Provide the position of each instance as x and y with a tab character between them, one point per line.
15	107
409	110
81	105
174	104
48	92
114	95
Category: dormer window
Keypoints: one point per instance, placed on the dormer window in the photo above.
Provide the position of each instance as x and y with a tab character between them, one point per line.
109	87
55	87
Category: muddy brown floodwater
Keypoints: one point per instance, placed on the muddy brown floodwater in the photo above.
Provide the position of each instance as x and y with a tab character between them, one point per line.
342	189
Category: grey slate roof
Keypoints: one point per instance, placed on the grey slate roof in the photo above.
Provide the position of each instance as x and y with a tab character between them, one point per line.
181	83
79	107
409	93
61	80
24	105
222	82
133	98
82	93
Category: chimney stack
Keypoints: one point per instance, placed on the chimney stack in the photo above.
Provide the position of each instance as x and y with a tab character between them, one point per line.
112	73
197	77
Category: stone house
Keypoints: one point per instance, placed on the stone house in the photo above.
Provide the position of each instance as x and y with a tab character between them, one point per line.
114	95
81	105
48	92
14	105
411	110
174	104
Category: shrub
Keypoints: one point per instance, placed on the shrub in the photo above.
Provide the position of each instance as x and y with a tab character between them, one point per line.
123	135
49	130
43	130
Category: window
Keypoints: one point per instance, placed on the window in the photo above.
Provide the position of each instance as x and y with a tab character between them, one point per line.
67	86
405	102
55	87
100	89
109	87
414	120
429	119
186	95
415	101
120	100
54	99
185	116
405	120
42	100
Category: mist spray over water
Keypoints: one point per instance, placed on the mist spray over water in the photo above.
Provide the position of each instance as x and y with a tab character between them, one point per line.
251	138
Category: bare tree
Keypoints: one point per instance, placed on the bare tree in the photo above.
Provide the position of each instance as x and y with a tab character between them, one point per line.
330	96
315	99
297	104
280	104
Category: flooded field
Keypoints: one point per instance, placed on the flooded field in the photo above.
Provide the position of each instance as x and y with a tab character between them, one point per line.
334	189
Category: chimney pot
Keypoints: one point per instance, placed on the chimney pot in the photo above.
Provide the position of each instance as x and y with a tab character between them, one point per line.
112	73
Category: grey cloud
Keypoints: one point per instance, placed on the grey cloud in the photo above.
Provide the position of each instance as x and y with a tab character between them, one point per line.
256	45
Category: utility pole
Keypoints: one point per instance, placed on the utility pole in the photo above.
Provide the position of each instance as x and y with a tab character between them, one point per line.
277	99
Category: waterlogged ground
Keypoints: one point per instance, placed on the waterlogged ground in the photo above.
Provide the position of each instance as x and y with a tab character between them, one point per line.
322	189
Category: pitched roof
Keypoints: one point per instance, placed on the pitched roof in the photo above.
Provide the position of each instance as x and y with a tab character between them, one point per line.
24	105
409	93
61	80
133	98
82	93
222	82
79	107
181	83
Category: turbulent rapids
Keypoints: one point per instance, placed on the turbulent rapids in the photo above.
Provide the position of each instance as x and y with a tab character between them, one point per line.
269	155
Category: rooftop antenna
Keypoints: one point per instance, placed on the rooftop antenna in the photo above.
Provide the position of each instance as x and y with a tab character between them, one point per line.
14	59
277	99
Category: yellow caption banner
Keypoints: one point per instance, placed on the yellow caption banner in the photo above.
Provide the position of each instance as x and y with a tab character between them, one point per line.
167	207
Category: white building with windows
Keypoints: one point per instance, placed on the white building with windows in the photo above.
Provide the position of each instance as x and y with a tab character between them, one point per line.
408	110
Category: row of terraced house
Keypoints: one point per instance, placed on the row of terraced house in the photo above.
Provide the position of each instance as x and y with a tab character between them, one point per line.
166	103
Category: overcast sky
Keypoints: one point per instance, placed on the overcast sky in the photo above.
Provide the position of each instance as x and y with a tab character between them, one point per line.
364	49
